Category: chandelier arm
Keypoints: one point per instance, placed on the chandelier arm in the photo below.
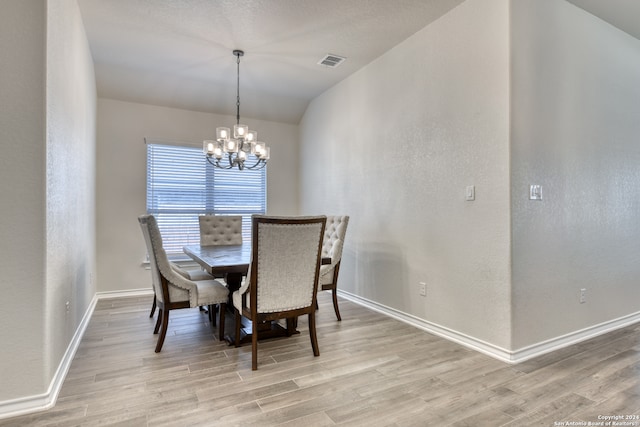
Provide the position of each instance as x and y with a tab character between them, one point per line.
210	162
232	162
218	164
262	163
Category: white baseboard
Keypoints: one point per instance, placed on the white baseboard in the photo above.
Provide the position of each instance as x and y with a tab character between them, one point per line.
127	293
441	331
505	355
575	337
41	402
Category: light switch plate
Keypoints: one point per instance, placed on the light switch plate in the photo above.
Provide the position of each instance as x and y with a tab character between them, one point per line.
535	192
471	193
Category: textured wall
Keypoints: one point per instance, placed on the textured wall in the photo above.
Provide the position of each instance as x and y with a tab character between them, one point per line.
22	190
121	177
47	127
575	127
394	147
70	139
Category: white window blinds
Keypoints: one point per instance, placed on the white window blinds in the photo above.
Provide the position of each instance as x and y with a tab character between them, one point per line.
181	186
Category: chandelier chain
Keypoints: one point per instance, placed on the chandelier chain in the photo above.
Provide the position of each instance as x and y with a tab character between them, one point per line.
238	89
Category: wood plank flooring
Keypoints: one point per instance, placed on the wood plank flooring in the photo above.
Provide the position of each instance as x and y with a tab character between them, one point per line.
372	371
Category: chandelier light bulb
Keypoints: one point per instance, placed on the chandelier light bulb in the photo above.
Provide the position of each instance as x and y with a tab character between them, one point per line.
258	148
222	133
217	151
240	131
208	147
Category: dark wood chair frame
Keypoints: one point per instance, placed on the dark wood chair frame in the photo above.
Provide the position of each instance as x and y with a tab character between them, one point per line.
333	287
162	323
155	304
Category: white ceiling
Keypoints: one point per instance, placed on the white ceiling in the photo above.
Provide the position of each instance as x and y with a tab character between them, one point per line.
624	14
178	53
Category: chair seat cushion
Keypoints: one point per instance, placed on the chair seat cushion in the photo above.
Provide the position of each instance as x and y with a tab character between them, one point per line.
211	292
195	274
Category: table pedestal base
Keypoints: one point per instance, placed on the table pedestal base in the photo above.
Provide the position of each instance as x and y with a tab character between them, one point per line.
266	330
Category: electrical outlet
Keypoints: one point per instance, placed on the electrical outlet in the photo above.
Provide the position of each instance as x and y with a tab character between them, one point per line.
535	192
422	288
583	295
67	306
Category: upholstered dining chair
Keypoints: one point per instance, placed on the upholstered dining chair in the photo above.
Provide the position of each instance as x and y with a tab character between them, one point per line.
214	230
174	291
282	281
332	244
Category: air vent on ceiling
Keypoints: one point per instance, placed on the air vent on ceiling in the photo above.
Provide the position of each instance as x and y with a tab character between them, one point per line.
331	60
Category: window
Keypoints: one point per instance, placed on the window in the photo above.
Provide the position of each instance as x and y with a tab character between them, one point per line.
182	185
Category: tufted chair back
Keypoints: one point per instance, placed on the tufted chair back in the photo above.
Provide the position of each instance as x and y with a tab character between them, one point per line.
333	240
332	244
217	230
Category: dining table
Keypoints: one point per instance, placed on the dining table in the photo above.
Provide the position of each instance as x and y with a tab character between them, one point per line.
228	261
231	262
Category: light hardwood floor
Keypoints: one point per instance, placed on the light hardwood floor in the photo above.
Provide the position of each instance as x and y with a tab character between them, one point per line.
372	371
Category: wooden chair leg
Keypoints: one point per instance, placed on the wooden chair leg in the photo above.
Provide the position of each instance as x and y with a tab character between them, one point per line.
254	345
334	292
223	310
153	307
212	314
158	321
238	319
163	332
312	334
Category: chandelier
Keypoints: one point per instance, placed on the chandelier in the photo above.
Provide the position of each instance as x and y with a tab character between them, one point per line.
228	151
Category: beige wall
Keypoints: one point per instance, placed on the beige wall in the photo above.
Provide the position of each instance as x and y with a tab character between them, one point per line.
395	145
500	95
47	184
22	186
71	144
575	127
121	178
